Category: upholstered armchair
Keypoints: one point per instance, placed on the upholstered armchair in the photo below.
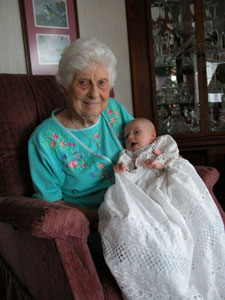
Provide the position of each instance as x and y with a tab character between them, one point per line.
43	246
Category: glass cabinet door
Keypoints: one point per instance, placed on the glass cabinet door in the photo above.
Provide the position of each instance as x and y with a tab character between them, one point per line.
214	30
176	71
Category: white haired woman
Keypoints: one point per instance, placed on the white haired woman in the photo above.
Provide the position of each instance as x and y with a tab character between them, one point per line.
72	153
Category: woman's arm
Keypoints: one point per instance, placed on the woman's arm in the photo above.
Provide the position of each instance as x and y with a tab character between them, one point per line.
90	214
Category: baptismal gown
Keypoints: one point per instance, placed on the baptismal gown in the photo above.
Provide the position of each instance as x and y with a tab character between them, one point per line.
162	234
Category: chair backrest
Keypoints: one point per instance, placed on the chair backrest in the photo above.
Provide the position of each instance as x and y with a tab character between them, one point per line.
25	101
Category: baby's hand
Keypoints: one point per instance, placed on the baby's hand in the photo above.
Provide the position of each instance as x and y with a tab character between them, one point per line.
152	164
120	167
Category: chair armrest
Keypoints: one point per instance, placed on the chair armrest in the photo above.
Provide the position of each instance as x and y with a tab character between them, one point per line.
210	176
42	218
66	230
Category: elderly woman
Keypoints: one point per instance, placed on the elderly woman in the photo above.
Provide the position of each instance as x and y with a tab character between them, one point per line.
72	153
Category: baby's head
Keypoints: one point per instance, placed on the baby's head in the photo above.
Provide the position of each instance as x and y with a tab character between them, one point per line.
138	133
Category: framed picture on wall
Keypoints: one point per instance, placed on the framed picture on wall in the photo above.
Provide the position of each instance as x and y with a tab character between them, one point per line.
48	27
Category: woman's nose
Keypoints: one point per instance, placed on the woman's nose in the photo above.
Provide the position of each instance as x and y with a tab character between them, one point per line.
93	92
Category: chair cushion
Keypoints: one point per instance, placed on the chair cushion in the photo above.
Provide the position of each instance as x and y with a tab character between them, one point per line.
25	101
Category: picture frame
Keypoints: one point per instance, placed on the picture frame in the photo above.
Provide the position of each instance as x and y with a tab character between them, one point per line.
48	27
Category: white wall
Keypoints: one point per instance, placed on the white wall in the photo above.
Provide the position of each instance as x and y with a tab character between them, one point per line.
103	19
12	57
106	20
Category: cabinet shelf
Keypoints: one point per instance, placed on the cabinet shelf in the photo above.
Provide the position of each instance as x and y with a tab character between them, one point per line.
179	52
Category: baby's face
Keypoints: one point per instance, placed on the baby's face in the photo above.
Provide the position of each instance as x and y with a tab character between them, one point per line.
138	134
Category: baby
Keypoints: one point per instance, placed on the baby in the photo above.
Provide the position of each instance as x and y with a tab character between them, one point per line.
140	137
162	234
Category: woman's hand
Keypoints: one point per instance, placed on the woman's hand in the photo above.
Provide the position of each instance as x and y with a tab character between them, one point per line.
90	214
120	167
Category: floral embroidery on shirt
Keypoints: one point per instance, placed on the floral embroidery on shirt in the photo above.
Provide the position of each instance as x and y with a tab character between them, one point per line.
62	143
109	111
105	175
94	174
54	136
114	118
52	144
54	140
101	166
73	158
73	164
64	157
109	176
77	155
94	137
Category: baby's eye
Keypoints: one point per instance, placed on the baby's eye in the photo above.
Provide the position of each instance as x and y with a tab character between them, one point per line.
137	131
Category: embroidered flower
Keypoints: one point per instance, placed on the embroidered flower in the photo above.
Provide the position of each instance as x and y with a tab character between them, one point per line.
105	175
66	166
113	120
109	111
73	145
116	113
96	136
77	155
101	166
69	144
73	164
94	174
64	157
157	151
52	144
62	143
84	166
55	136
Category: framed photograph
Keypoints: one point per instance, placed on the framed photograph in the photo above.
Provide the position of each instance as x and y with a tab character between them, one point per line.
48	27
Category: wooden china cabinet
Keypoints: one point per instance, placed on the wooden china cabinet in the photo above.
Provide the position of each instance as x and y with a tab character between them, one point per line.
177	54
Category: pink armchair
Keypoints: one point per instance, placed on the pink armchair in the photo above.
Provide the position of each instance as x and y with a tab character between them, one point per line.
43	246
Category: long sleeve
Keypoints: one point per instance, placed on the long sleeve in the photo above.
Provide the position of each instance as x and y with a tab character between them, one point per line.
45	171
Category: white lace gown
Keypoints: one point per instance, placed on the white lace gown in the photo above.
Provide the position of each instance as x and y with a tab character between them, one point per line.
162	235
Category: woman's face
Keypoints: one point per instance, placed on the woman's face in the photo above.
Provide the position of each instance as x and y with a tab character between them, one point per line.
89	93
